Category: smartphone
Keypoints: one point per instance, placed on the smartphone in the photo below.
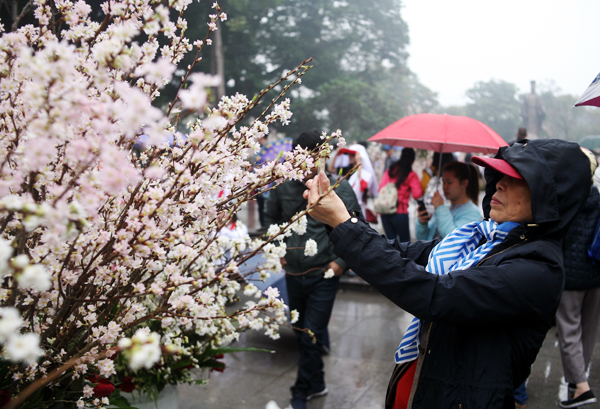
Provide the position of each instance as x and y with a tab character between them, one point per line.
421	204
321	165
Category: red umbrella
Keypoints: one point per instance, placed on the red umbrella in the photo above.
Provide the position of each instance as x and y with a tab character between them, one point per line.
441	133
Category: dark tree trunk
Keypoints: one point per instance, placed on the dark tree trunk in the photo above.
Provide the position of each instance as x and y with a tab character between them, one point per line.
218	61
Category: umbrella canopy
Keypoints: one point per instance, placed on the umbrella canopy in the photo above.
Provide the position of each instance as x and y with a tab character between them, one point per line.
591	96
441	133
271	150
591	142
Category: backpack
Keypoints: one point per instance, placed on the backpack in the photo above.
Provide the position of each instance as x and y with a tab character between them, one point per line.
386	201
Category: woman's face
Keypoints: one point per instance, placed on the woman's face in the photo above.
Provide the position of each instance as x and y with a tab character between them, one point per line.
512	201
454	189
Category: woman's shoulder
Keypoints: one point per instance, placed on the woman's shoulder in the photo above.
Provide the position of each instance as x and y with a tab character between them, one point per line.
466	213
545	251
474	210
471	207
468	207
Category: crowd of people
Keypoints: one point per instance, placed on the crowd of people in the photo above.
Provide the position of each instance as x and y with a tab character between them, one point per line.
484	278
448	199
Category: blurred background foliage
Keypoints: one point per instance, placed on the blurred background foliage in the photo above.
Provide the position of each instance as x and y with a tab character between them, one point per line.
360	82
498	103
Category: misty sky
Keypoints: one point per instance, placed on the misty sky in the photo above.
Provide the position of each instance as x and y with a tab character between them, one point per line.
455	43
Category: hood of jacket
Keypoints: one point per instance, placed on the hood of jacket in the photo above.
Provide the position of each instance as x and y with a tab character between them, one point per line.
559	176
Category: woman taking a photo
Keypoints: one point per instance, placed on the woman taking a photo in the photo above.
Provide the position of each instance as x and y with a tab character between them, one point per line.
485	296
461	188
407	182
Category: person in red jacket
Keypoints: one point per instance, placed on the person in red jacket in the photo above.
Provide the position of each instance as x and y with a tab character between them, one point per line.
407	182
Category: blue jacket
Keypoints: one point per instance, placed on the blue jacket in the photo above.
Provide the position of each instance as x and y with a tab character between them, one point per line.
445	220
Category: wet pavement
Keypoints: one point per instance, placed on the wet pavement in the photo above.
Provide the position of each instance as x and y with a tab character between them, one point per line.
365	330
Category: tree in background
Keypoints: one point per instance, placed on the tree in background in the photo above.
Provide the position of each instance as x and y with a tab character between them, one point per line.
498	105
360	82
362	105
114	269
562	120
453	110
495	103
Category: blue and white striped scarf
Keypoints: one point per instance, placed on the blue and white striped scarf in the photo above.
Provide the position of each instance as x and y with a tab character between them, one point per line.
457	251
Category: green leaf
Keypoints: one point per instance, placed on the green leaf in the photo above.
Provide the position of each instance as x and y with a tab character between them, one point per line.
5	378
120	402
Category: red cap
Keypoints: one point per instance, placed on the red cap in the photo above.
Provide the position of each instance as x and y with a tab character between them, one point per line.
500	165
347	151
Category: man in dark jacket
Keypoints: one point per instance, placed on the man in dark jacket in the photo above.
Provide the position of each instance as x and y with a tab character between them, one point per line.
310	293
483	325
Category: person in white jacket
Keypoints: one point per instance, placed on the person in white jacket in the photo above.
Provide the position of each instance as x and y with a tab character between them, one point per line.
364	179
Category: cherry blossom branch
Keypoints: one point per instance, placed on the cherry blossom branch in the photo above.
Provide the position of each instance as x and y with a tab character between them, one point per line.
41	382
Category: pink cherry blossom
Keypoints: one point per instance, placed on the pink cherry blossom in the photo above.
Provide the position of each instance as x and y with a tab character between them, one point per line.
103	234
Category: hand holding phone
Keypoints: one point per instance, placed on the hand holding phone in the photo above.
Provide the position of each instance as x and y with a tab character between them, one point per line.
422	214
421	204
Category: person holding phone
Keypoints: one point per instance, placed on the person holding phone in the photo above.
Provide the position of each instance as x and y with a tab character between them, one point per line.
460	183
431	176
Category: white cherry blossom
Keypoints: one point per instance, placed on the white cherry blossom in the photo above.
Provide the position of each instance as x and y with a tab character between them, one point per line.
35	276
23	348
310	248
10	322
102	240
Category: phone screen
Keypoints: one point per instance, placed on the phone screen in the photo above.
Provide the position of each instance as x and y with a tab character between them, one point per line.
321	164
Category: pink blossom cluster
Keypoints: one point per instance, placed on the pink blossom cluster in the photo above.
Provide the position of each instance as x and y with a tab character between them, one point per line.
97	239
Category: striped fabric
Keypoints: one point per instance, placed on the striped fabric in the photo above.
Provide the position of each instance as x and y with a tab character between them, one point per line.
457	251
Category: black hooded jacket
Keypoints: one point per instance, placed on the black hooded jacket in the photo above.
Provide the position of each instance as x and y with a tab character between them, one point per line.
485	325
